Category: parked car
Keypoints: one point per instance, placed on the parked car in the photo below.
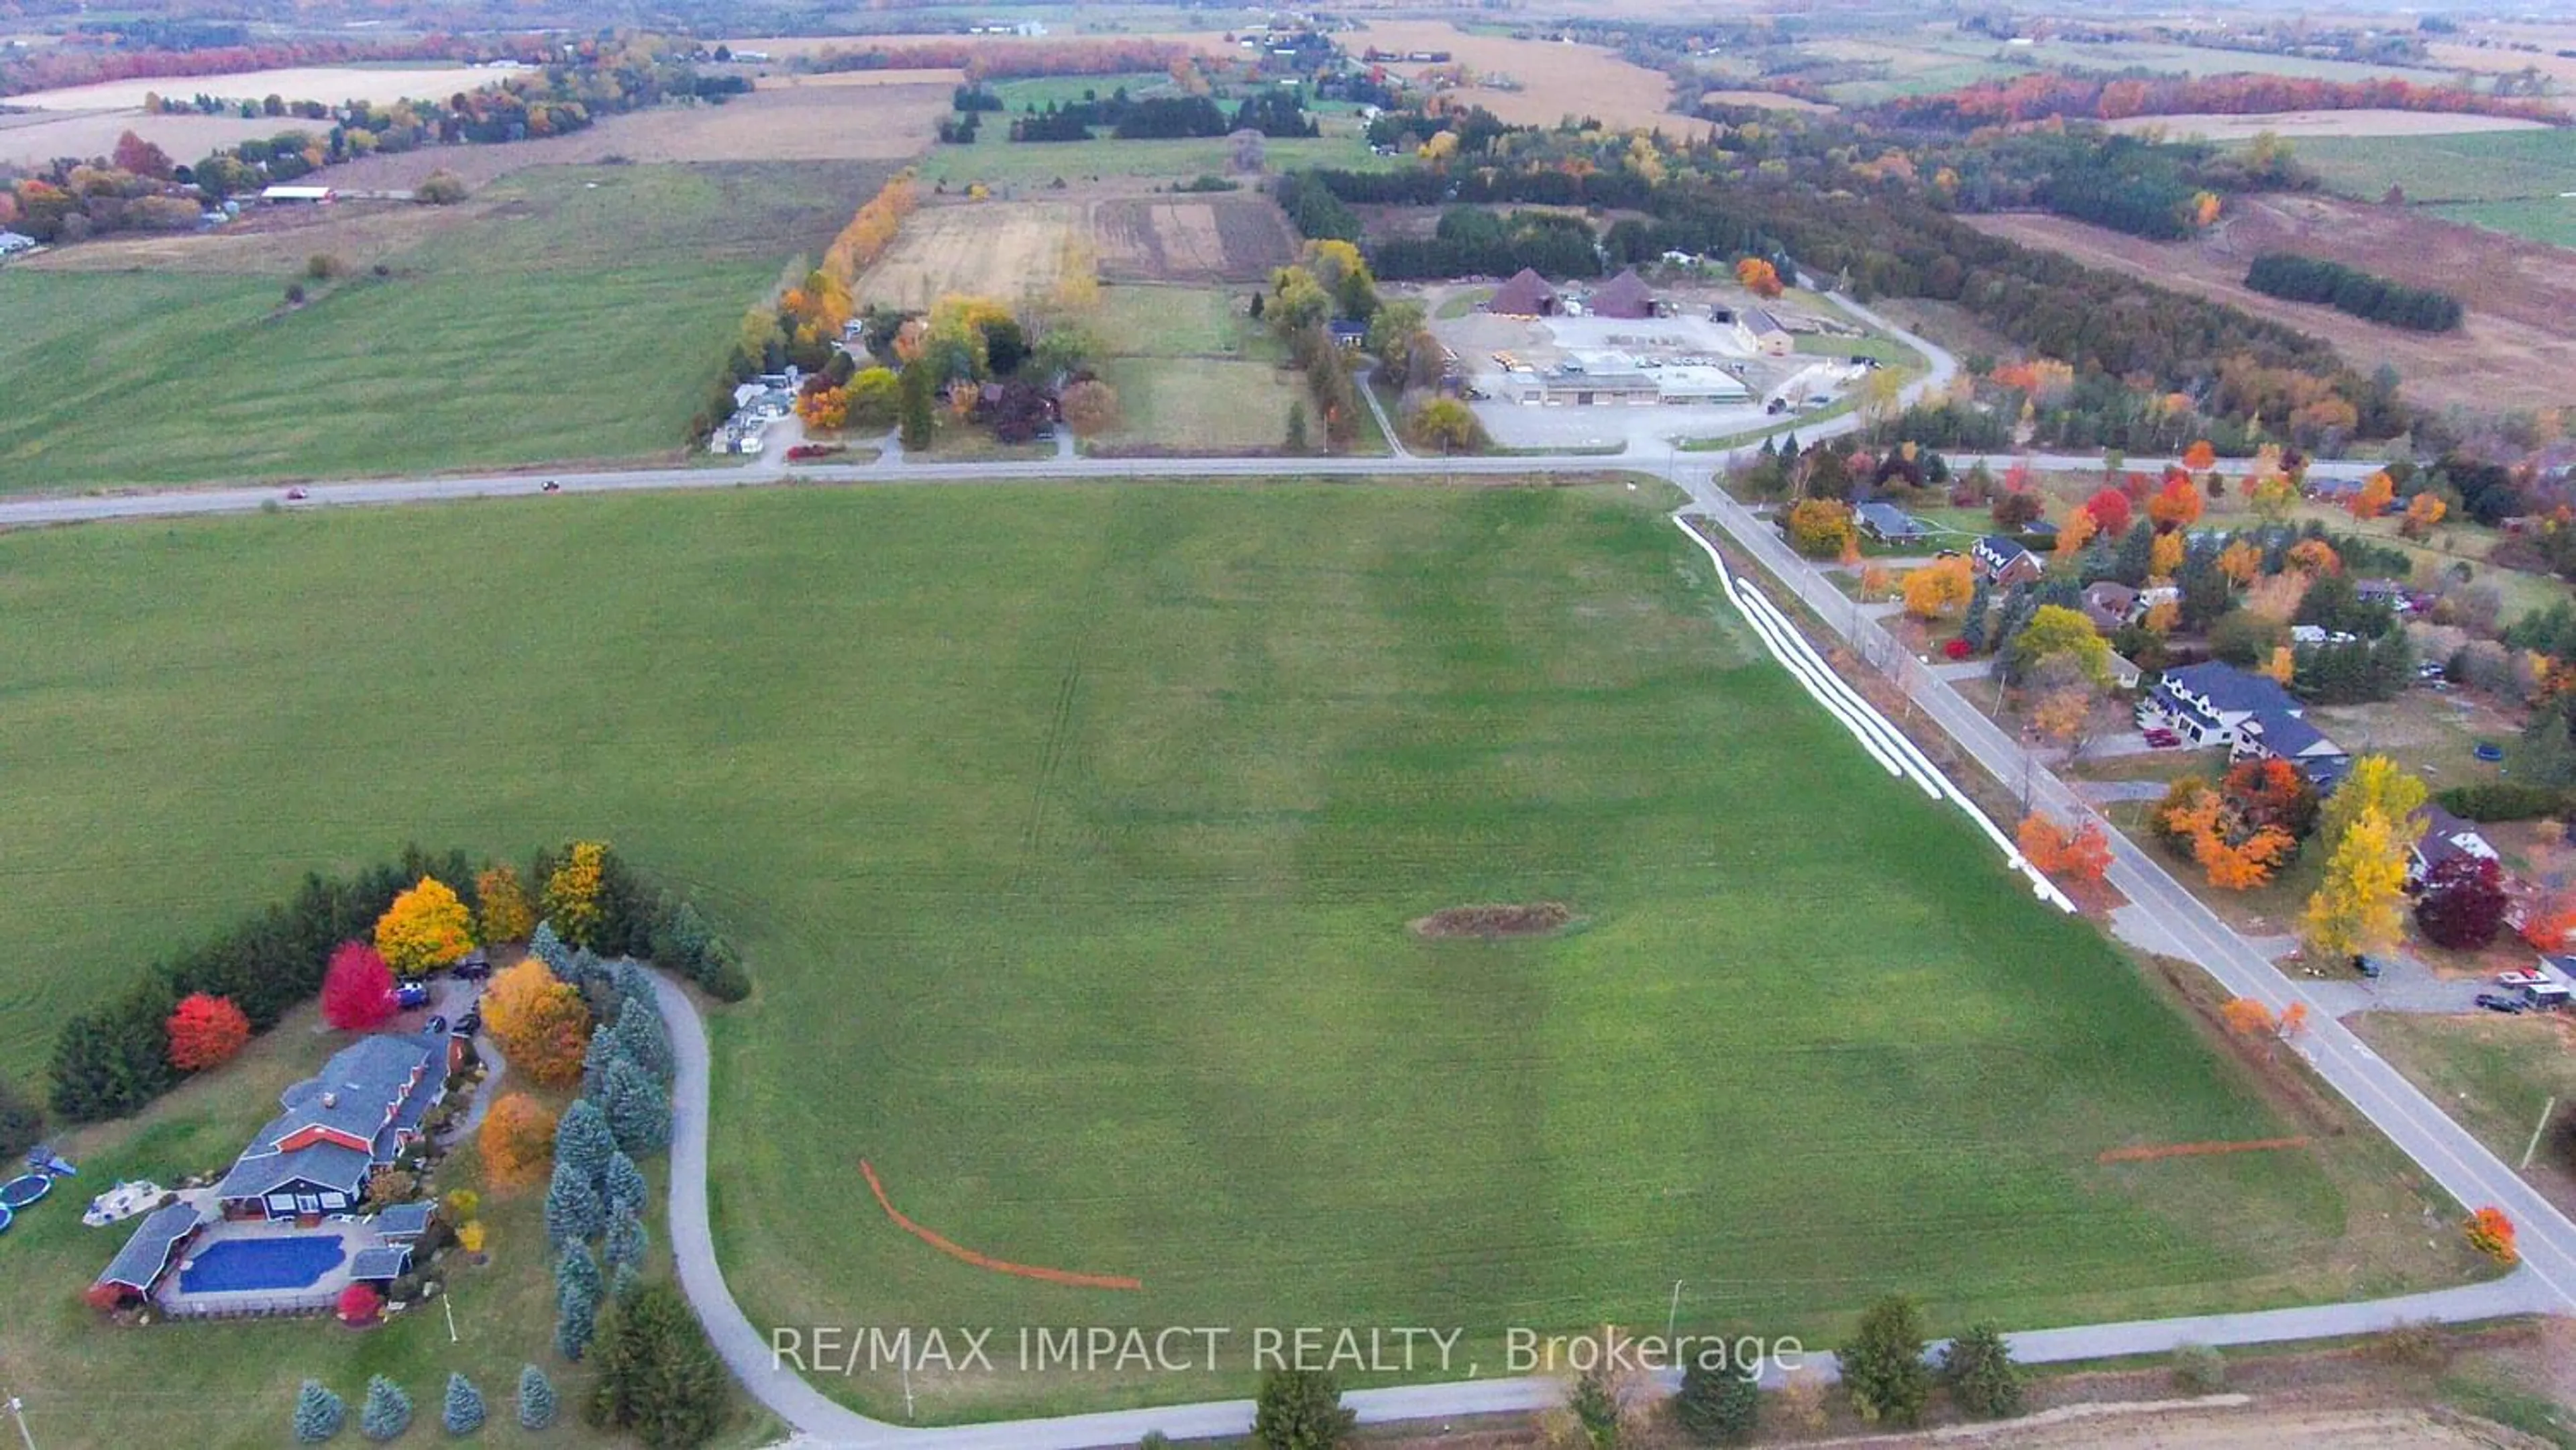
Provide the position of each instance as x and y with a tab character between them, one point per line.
2499	1002
553	487
2520	977
470	1023
2162	739
434	1024
296	495
411	995
2367	965
476	966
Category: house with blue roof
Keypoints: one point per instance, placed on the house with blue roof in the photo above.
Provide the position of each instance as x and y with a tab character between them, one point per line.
2211	703
1888	524
2277	735
357	1115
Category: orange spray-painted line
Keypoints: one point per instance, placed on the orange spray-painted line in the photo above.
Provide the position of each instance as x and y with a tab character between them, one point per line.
2198	1150
982	1261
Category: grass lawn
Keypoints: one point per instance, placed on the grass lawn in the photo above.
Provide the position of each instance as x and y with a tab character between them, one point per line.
1195	405
1072	831
2549	219
2493	1074
996	160
584	315
1139	320
233	1384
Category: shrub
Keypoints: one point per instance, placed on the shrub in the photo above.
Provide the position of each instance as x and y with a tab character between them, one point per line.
1979	1370
2198	1369
2491	1233
206	1032
463	1412
1300	1410
387	1412
440	188
360	1304
1883	1366
319	1414
2502	800
536	1398
1719	1404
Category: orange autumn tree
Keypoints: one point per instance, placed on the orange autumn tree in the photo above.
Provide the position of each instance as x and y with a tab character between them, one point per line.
2200	457
541	1023
1758	277
2294	1019
2423	511
2549	921
517	1140
2083	854
1939	589
2074	534
2234	856
2164	555
2313	557
2491	1233
205	1031
2377	492
426	928
2240	561
2247	1017
2177	504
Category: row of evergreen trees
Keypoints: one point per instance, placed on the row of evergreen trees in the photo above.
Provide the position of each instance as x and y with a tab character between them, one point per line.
386	1412
2351	290
1470	241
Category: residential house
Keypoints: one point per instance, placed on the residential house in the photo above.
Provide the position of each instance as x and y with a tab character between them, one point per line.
1347	334
2109	604
2390	592
356	1116
2125	672
2207	704
1888	524
2445	837
2279	735
1525	295
2004	562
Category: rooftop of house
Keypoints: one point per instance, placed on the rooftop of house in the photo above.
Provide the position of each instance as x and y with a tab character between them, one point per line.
2287	735
2226	687
2446	835
1887	518
147	1254
1999	548
368	1094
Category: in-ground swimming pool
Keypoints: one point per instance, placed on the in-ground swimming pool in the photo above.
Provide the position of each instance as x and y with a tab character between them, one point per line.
281	1263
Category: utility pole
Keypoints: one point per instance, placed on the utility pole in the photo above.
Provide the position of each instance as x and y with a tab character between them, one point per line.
448	1303
18	1412
2528	1150
1672	1316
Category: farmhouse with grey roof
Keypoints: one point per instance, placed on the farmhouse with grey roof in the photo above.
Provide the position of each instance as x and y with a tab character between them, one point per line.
358	1115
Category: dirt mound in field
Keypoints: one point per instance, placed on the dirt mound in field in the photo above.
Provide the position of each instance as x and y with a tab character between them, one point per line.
1495	921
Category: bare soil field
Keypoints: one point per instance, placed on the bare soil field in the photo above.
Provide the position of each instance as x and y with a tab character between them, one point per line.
2513	351
1002	250
37	137
2293	124
1555	80
1768	100
1219	238
782	121
330	84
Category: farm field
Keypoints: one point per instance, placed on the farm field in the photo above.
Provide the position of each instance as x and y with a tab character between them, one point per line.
34	139
1555	80
330	84
1199	405
481	346
1226	237
2194	60
996	161
2551	221
785	120
2513	350
2301	126
1072	833
2498	166
1009	251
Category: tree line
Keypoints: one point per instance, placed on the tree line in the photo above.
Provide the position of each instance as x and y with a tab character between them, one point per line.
983	61
1470	240
2098	97
2351	290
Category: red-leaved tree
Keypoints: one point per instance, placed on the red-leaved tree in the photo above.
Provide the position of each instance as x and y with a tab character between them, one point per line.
360	1304
2110	509
358	990
206	1031
2463	903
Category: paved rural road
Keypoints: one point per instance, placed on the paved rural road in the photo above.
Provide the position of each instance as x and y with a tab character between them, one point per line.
2438	1146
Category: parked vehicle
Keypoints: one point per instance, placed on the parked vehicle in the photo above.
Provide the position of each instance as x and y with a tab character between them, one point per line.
2369	966
296	495
411	995
553	487
2499	1002
2162	739
2520	977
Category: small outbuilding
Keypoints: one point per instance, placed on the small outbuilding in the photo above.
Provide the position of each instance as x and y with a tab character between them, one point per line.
1625	296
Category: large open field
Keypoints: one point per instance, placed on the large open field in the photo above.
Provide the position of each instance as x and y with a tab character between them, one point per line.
2514	350
562	313
380	85
2496	166
2302	126
36	138
1550	81
1072	833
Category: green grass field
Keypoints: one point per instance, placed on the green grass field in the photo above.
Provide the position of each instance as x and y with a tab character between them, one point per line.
584	315
2494	1074
1072	833
997	161
2547	219
2480	166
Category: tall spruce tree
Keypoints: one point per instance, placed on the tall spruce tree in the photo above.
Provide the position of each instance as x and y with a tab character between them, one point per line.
387	1412
463	1412
319	1414
536	1398
574	1212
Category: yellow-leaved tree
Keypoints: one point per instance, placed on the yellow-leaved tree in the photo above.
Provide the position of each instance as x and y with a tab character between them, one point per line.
2355	909
571	895
518	1141
508	914
2375	784
1939	589
426	928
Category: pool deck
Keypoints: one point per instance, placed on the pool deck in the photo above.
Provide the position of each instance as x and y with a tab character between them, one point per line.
321	1294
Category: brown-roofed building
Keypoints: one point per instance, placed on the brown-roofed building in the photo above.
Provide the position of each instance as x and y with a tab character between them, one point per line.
1526	295
1625	295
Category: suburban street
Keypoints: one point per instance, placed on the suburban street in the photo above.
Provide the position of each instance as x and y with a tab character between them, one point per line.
2443	1150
